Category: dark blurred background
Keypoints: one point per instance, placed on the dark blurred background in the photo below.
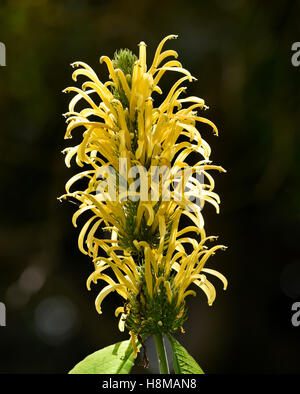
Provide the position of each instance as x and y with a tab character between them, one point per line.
240	51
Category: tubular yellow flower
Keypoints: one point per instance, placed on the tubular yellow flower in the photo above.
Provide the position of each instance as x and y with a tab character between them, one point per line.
139	185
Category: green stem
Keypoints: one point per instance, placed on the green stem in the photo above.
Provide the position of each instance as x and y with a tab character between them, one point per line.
161	354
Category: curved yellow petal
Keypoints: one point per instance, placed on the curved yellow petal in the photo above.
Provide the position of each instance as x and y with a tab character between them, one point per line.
103	293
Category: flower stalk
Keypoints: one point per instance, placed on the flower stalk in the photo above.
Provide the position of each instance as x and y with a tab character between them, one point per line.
161	354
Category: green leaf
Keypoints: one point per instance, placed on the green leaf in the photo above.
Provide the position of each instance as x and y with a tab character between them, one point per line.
113	359
183	362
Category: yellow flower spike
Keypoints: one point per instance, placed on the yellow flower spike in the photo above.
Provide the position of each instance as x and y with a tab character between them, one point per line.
149	259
